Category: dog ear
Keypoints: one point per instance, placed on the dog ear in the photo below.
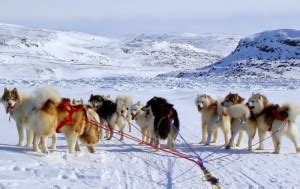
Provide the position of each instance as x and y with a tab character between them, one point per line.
5	90
108	96
92	96
15	90
73	101
241	99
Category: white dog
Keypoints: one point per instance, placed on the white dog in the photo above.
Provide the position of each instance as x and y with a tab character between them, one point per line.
144	119
213	116
122	115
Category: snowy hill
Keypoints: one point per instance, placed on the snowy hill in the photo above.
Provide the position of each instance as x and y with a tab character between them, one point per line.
31	54
271	54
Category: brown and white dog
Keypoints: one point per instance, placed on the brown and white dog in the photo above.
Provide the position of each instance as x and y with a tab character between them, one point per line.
213	116
92	131
240	117
271	117
78	122
36	114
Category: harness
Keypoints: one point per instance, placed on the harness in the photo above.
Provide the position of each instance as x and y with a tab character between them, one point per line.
66	105
280	116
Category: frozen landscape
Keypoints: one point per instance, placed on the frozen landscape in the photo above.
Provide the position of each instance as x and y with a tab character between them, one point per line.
175	66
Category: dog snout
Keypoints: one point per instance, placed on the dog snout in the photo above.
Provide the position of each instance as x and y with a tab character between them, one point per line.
247	104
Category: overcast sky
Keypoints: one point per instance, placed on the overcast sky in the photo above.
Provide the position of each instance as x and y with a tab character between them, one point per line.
153	16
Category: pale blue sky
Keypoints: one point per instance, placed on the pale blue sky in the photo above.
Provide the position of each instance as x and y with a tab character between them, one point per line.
153	16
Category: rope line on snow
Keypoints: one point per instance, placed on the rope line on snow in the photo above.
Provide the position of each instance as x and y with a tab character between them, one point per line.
273	133
207	174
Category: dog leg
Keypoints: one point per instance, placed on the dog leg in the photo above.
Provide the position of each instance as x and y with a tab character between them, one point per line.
251	135
36	142
111	128
277	143
216	134
261	136
29	136
148	136
204	133
91	148
71	140
44	145
241	132
21	132
226	134
77	147
235	127
292	135
143	130
54	141
210	131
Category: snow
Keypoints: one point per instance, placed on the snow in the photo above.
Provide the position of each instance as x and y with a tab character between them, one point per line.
133	65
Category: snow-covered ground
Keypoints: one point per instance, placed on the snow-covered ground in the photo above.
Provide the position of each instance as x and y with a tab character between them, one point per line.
79	64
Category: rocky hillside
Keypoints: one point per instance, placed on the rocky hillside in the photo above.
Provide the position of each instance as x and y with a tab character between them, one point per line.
270	54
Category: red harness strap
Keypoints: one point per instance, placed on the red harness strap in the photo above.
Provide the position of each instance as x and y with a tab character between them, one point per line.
280	116
66	105
170	114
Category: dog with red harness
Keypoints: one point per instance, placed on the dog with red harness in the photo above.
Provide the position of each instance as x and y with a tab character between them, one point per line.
279	120
78	122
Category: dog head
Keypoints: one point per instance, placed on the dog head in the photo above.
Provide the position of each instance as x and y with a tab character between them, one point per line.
77	102
9	99
135	108
123	105
96	101
156	103
232	99
203	101
257	102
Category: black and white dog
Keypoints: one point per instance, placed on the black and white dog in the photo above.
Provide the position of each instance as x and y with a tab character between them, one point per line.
166	122
105	108
112	113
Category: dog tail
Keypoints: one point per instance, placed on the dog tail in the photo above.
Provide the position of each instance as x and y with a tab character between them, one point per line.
292	109
44	97
164	128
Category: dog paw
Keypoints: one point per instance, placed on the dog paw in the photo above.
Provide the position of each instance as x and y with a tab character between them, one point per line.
259	148
276	152
227	147
250	150
53	148
206	144
28	145
37	150
21	144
